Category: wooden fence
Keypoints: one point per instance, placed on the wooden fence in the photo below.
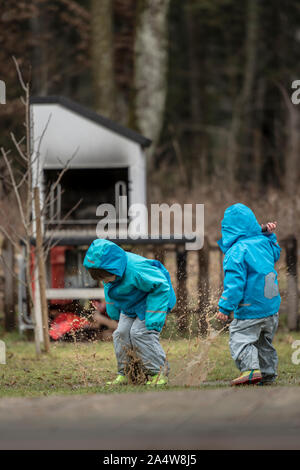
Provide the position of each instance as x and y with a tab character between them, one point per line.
290	251
160	251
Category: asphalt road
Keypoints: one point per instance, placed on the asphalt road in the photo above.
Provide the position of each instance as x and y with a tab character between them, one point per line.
252	418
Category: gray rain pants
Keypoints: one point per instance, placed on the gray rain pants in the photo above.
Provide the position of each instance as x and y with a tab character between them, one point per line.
251	345
132	332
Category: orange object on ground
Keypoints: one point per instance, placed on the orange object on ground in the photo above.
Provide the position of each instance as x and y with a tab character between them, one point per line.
66	323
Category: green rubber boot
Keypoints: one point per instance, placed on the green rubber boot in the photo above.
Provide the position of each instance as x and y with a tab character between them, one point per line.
119	380
158	380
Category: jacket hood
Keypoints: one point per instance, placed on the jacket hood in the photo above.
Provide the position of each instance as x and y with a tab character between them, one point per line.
104	254
239	222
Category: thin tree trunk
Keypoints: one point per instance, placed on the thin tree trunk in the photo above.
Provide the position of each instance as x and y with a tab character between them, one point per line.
151	68
241	120
292	151
197	153
41	268
103	56
8	257
257	136
292	158
39	59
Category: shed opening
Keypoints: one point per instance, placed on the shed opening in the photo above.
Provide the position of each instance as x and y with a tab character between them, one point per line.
80	191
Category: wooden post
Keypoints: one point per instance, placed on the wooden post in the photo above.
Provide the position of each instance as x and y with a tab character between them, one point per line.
159	253
203	286
182	314
292	282
8	258
41	268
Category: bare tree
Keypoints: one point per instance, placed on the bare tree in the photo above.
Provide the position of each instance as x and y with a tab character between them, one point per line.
24	205
24	184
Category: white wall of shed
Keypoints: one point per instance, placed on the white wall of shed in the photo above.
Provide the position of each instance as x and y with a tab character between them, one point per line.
60	135
68	132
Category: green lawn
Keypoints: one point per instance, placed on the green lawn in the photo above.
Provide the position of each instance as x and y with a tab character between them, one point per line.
85	367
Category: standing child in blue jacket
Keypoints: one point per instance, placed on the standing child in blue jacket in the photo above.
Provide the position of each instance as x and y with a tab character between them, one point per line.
251	293
138	294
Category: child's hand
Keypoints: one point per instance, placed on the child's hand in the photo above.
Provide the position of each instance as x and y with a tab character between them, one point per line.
269	227
222	317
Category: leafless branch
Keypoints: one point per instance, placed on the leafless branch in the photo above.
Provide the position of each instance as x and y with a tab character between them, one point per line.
63	171
17	145
49	246
19	74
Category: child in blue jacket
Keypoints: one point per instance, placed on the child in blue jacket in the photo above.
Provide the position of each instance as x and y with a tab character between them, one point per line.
251	293
138	294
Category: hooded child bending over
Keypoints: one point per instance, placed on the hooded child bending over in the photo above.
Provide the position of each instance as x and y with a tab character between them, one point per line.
138	294
251	293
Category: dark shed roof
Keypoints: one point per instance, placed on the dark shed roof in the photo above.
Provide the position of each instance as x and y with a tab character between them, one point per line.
89	114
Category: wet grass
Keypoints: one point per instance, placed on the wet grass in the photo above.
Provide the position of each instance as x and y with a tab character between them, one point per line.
85	367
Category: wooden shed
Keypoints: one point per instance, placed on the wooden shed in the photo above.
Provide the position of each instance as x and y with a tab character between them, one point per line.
103	159
80	160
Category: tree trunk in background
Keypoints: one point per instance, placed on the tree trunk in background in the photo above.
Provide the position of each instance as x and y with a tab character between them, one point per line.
125	18
38	26
257	133
103	56
150	68
248	86
8	265
198	155
129	61
291	161
241	121
291	153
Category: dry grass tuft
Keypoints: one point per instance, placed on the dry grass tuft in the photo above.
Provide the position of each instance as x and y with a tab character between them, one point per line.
134	368
197	364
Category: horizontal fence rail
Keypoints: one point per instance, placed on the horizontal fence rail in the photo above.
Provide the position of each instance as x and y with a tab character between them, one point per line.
160	248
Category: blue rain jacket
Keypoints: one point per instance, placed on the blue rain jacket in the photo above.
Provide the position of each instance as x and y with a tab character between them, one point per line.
142	288
250	280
